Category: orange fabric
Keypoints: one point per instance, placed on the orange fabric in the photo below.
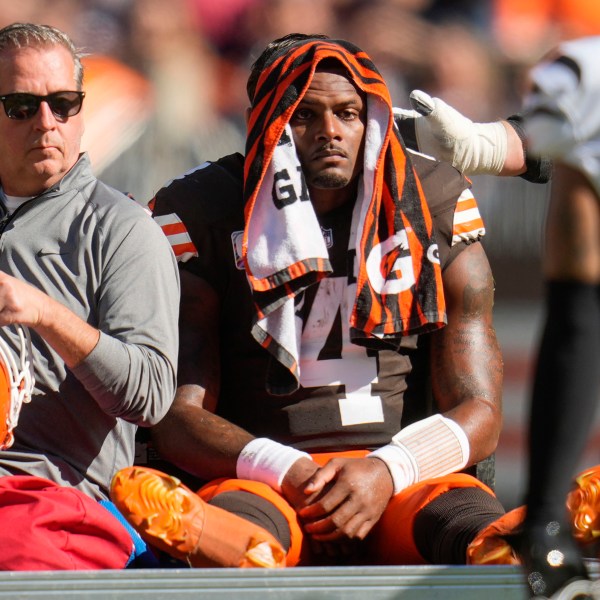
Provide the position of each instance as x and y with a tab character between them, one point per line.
544	22
321	458
391	540
220	486
489	546
6	436
397	207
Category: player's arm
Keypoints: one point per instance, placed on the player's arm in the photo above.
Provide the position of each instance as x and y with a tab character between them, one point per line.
496	148
466	360
192	436
466	373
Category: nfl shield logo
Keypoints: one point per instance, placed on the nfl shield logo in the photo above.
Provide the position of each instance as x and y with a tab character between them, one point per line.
237	237
327	236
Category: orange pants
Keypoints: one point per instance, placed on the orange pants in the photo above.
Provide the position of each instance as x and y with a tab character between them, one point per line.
390	542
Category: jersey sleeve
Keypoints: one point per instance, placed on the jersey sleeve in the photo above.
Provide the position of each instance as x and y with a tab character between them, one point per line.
454	210
201	215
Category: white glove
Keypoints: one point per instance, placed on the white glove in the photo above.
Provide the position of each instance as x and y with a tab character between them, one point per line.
445	134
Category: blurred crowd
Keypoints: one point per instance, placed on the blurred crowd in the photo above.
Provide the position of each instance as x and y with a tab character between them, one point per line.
166	79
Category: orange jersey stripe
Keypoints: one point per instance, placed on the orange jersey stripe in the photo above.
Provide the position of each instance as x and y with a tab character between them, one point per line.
468	223
178	236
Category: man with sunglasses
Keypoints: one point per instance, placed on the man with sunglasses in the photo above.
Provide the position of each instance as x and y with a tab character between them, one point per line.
78	263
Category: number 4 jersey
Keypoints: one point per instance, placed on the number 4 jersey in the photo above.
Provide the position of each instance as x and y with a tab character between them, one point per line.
349	397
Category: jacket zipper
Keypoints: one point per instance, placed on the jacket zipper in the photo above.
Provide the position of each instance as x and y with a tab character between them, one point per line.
7	218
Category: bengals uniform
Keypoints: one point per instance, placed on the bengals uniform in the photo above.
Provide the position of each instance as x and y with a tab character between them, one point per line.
562	120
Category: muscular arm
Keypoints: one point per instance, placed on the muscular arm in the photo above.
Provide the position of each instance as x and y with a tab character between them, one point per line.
467	380
191	436
466	361
197	440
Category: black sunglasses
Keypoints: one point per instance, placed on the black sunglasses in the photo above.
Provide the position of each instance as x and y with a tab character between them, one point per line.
24	106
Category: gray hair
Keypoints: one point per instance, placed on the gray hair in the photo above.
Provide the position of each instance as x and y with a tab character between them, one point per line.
23	35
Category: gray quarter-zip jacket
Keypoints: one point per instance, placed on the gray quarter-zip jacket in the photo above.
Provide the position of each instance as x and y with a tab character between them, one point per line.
100	254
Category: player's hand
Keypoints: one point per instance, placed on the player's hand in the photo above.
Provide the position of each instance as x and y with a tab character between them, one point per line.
296	480
446	134
346	498
293	489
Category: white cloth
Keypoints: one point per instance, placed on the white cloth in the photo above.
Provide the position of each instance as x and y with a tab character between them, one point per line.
278	238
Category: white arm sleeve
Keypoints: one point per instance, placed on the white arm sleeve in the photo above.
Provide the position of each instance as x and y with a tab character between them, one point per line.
267	461
429	448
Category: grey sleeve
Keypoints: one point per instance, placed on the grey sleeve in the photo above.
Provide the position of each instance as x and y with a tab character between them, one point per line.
131	373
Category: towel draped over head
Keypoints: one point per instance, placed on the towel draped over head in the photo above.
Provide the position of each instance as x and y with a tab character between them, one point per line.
399	285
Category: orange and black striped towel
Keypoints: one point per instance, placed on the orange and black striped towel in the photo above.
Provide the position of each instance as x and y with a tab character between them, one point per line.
399	289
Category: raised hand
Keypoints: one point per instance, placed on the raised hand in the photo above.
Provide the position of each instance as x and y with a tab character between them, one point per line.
446	134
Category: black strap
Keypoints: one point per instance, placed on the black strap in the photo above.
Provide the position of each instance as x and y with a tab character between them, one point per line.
539	169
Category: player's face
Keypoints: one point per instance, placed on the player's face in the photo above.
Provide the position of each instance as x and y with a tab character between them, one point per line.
36	152
328	126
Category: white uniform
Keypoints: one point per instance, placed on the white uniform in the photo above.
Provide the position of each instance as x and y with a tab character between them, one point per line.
562	111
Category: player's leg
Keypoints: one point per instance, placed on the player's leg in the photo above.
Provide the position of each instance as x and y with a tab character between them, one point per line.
172	518
567	376
433	521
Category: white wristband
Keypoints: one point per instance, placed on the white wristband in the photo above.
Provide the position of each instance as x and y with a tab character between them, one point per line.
400	463
267	461
429	448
